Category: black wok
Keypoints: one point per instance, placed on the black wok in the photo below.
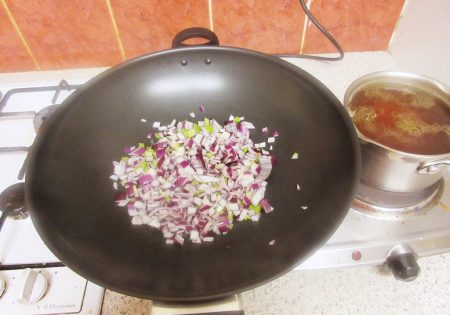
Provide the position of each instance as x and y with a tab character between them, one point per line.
71	198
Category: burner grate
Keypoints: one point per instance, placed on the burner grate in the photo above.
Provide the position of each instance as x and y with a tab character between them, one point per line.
37	117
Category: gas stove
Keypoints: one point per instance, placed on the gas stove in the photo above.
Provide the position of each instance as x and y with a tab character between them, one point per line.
34	281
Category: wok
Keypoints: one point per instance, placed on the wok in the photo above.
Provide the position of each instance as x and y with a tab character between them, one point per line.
71	198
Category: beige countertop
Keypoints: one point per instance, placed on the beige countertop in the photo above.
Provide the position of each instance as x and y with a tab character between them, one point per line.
362	290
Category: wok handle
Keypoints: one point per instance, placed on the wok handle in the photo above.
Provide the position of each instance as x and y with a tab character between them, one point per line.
195	32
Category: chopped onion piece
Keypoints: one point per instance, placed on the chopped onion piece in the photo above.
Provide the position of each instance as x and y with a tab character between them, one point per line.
295	156
194	179
137	220
272	242
298	187
143	120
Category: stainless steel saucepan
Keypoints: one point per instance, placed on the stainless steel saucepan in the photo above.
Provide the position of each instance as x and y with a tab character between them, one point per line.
389	169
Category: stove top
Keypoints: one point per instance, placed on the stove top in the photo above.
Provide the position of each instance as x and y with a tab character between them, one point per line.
32	280
365	237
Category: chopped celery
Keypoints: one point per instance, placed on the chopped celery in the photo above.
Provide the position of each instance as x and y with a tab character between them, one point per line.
209	128
188	133
197	128
256	209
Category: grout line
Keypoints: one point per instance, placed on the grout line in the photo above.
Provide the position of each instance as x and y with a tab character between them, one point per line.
116	29
305	26
210	12
20	34
394	31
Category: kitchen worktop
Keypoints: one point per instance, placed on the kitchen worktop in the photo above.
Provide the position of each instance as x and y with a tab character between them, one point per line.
362	290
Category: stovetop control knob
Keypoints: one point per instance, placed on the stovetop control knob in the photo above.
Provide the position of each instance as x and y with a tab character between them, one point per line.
402	261
33	286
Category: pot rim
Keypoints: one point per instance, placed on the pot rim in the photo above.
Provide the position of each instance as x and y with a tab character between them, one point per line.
396	77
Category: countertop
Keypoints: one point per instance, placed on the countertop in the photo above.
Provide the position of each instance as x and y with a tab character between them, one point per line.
362	290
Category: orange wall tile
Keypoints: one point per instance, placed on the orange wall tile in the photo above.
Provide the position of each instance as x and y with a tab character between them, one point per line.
13	55
358	25
89	33
67	34
150	25
270	26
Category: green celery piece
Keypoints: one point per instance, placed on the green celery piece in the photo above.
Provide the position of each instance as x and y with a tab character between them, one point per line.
209	128
158	135
197	128
256	209
144	166
141	145
209	154
245	149
188	133
237	120
124	158
149	152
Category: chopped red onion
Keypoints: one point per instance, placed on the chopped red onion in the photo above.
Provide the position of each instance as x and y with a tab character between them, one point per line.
194	179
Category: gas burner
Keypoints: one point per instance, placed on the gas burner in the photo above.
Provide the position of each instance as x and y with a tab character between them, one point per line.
393	205
42	116
12	203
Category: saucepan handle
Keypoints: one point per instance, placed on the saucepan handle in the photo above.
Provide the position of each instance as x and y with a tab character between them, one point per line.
195	32
433	166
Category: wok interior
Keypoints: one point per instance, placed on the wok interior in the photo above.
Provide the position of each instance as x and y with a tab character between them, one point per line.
72	199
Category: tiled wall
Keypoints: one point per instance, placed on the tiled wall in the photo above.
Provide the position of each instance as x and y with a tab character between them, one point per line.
57	34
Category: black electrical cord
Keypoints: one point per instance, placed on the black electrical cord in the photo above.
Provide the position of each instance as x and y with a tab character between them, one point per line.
324	32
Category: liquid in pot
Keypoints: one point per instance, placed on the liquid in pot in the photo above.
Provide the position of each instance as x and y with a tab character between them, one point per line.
404	118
